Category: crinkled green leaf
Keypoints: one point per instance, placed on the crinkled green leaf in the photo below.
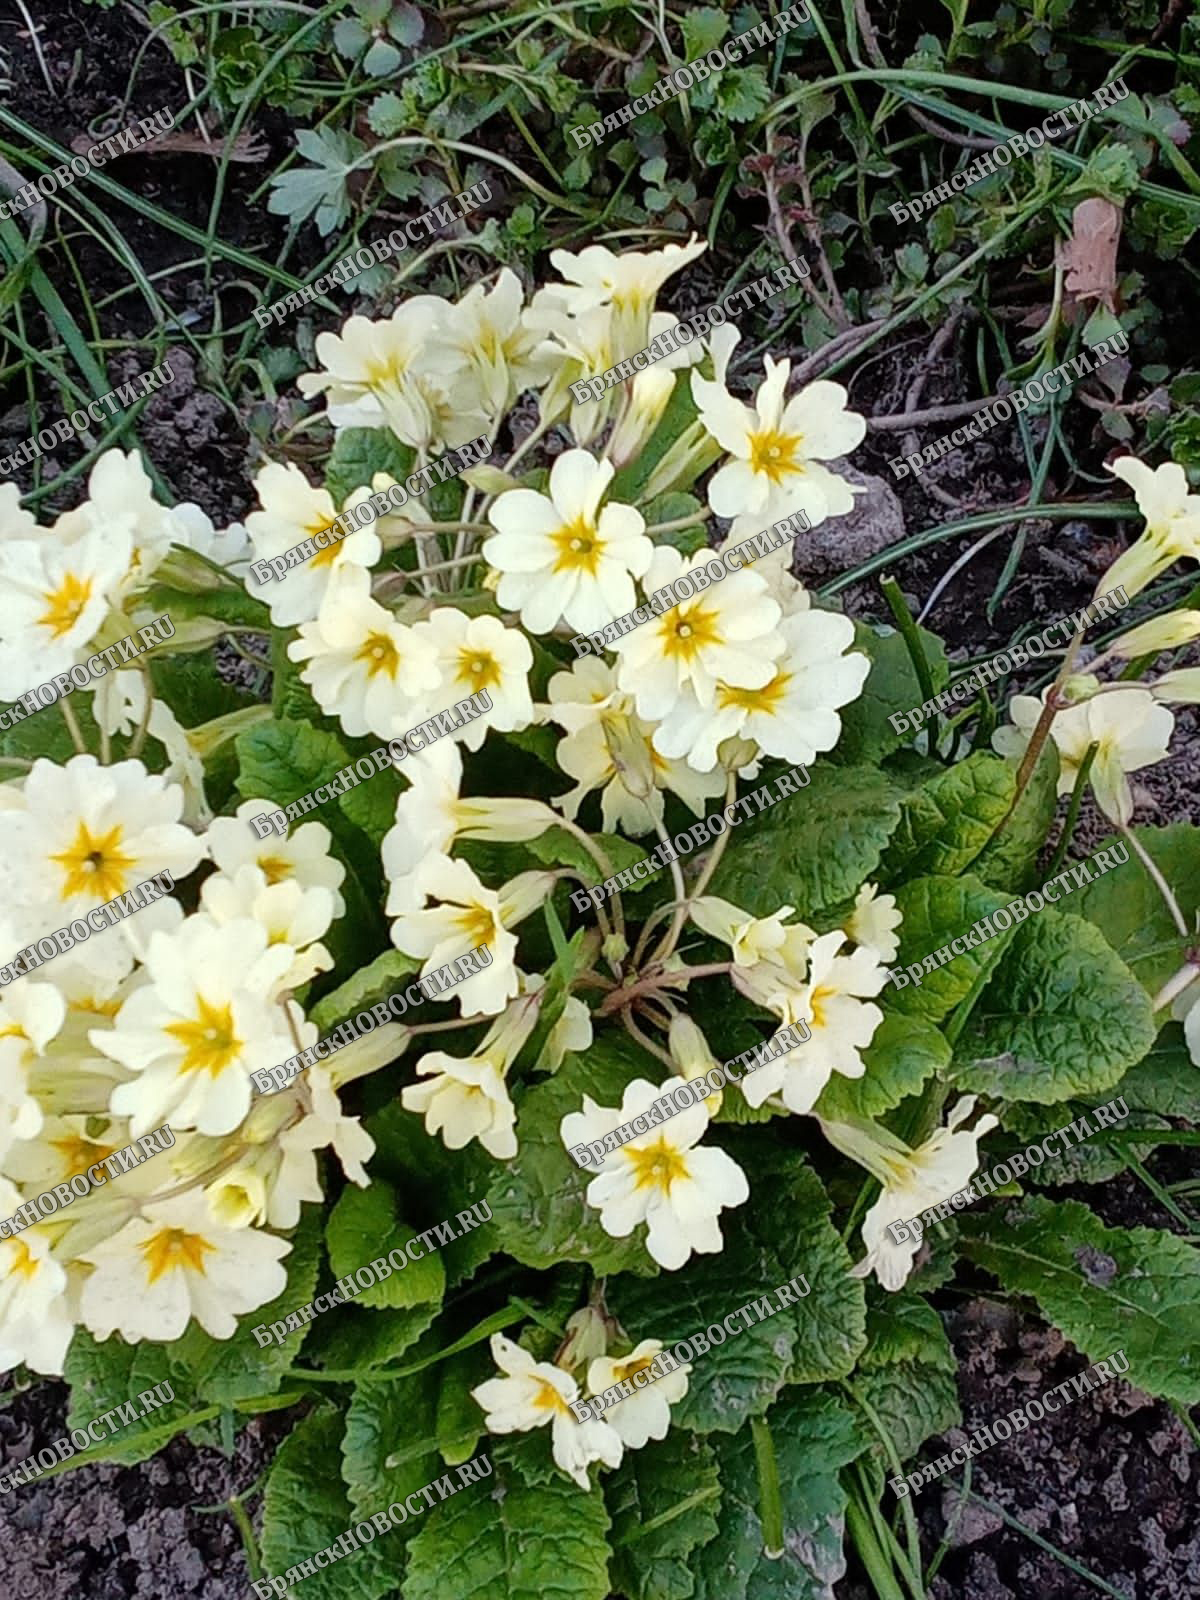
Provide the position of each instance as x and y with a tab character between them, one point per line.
1061	1016
813	1435
703	28
664	1500
384	976
537	1199
1010	860
110	1373
946	822
557	847
1166	1080
907	1372
283	760
1094	1159
937	911
306	1509
501	1539
1128	907
739	1377
1135	1290
904	1053
351	1336
363	1226
790	1213
359	453
814	848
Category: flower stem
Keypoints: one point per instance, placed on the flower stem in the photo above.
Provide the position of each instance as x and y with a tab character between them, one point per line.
770	1501
77	738
1156	877
912	639
1068	827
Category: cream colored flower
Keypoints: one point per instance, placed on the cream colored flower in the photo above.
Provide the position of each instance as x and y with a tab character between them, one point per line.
293	511
874	921
794	715
477	654
608	747
1172	524
659	1177
532	1393
912	1180
627	284
176	1262
466	1098
751	939
35	1325
646	1414
727	632
303	854
290	915
778	446
503	351
1130	729
561	556
372	673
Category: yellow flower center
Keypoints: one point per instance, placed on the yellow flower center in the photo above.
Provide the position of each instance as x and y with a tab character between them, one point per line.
96	1008
13	1030
579	548
64	605
478	923
23	1260
657	1166
625	1370
95	864
79	1153
327	556
684	633
765	700
547	1398
775	454
380	655
172	1247
478	668
209	1042
386	371
274	868
817	1000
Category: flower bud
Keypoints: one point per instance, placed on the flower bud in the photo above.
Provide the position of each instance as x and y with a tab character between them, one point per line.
1160	633
1079	687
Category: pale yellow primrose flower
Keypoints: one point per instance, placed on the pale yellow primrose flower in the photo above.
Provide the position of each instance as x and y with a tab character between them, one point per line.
35	1325
777	447
659	1177
1172	524
303	854
1160	633
56	597
646	1414
431	816
372	673
291	915
750	939
874	921
793	716
175	1262
913	1180
628	284
834	1004
466	1097
498	344
1130	729
293	511
608	747
532	1393
476	654
725	633
1181	687
563	558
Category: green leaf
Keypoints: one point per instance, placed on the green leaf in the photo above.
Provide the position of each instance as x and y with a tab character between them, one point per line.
306	1509
283	760
907	1373
557	847
740	1377
812	849
937	911
104	1375
814	1436
743	93
1010	860
502	1539
540	1215
1129	910
891	686
947	821
1135	1290
371	806
319	190
226	1370
679	415
703	29
1167	1080
1061	1016
359	453
664	1500
364	1226
364	988
905	1052
790	1213
359	1338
